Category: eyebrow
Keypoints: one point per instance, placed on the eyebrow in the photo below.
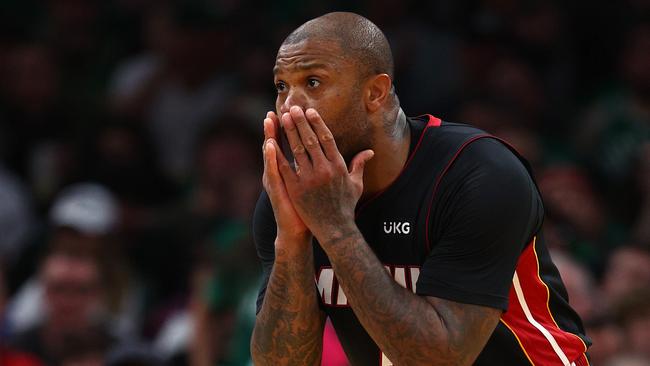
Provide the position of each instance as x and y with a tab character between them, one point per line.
304	66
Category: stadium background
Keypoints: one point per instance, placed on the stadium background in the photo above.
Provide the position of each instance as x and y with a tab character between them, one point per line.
130	135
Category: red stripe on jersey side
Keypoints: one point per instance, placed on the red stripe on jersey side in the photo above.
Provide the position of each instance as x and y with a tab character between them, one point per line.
582	361
530	318
437	184
433	122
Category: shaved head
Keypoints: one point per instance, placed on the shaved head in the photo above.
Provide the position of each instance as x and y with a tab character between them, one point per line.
359	38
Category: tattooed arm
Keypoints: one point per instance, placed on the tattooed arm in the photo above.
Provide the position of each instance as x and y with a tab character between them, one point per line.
409	329
289	325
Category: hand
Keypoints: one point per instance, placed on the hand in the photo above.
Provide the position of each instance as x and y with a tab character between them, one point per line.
290	226
322	190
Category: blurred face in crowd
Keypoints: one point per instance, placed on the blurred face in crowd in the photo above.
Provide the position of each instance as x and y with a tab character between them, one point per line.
628	269
638	334
607	340
72	291
73	241
313	74
579	284
569	196
228	176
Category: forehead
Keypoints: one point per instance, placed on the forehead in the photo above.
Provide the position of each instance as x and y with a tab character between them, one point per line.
309	54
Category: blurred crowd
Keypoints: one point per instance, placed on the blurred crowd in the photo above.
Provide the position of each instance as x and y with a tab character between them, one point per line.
130	160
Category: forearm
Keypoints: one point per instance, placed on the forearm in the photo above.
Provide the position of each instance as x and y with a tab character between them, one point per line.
406	327
289	327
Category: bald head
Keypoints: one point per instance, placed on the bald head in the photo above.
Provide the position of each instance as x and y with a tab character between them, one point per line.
359	38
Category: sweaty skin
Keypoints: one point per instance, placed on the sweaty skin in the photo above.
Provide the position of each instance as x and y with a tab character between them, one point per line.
335	123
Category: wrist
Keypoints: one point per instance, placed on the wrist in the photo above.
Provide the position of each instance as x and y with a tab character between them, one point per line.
338	234
292	243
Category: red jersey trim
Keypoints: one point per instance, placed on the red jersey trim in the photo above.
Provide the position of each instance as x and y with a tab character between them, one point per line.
531	321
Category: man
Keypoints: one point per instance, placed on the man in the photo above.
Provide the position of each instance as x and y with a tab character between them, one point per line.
74	297
419	233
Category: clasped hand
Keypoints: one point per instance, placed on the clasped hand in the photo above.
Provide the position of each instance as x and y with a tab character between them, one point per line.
319	195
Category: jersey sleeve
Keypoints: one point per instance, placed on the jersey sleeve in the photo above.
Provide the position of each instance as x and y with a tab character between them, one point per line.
264	233
485	212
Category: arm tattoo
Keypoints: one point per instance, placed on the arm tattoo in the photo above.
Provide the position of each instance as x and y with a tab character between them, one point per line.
409	329
289	327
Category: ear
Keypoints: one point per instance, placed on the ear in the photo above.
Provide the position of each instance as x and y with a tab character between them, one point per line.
377	91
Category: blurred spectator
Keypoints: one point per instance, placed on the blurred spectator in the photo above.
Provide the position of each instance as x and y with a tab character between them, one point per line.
222	192
119	156
74	298
37	131
515	84
83	222
607	337
618	123
213	252
215	325
178	85
628	270
633	311
539	35
228	170
576	219
580	285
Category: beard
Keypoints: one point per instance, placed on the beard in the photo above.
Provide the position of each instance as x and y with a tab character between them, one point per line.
351	129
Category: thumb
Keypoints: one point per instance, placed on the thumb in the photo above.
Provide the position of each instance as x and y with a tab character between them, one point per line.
359	162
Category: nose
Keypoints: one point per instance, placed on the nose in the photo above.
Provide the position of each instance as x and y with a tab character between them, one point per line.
294	97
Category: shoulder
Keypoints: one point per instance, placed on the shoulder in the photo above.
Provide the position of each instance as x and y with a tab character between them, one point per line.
471	148
487	178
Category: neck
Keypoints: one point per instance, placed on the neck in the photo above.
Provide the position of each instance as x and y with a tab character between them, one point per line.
391	147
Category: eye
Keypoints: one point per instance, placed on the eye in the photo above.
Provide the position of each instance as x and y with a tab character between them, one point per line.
313	83
280	86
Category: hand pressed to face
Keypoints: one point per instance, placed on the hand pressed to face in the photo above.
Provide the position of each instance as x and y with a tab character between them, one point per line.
323	192
290	226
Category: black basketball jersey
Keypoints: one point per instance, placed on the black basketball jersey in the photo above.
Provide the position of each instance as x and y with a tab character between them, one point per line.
461	222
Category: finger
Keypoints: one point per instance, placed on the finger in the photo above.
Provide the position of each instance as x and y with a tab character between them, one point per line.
273	179
307	135
271	126
358	164
297	148
273	182
324	134
282	164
